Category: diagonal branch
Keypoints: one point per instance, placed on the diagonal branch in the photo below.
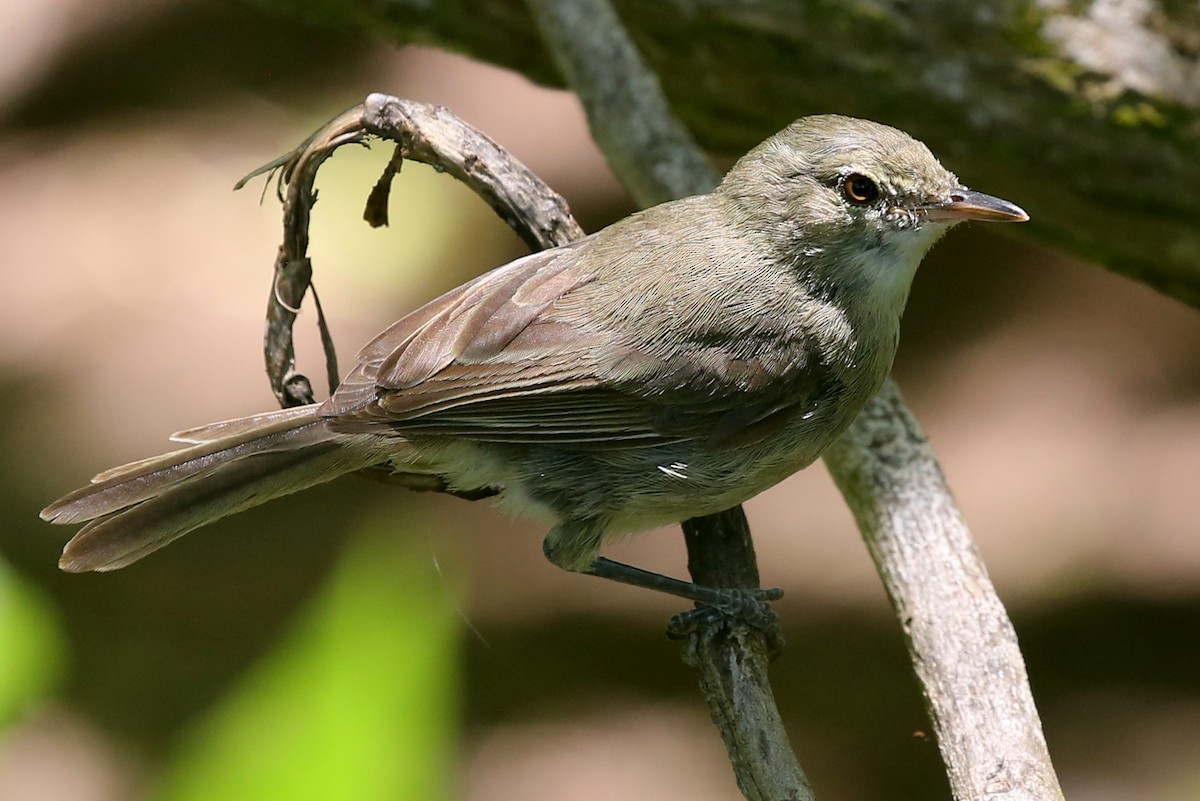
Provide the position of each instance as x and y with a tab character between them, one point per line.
961	642
648	148
959	636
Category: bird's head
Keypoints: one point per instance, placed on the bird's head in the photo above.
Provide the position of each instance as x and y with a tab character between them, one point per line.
851	199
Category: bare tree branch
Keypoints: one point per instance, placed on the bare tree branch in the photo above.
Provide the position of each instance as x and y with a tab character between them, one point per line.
425	133
731	666
649	150
961	641
962	644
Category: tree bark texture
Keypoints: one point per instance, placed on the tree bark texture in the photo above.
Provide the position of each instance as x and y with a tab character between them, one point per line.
961	643
1084	112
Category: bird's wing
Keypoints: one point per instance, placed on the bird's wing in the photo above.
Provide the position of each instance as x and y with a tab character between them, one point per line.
467	327
493	361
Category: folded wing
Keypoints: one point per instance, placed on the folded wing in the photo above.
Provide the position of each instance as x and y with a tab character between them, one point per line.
494	361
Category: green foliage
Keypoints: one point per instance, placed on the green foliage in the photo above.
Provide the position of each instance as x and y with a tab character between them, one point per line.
31	648
358	702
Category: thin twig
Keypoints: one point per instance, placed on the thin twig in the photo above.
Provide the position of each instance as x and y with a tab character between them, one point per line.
425	133
295	172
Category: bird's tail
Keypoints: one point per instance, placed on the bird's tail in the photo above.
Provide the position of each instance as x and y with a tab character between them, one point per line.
138	508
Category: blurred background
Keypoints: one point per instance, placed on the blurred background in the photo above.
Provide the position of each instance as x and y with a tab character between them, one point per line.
362	642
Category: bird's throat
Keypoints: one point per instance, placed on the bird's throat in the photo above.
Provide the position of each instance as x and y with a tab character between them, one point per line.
885	272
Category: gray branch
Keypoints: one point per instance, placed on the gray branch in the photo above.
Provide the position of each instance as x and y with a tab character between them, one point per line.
962	645
960	639
647	147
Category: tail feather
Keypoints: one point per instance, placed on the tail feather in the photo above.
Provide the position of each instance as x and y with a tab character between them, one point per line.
140	507
218	436
121	538
132	483
258	424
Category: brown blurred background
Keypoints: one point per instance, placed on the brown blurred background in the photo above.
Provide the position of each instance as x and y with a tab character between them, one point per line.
1064	402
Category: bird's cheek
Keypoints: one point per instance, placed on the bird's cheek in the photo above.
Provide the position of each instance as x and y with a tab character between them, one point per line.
902	219
821	212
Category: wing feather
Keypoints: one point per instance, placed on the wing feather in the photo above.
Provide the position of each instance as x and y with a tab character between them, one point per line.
507	358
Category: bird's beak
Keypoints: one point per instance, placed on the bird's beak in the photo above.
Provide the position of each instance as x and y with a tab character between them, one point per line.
963	204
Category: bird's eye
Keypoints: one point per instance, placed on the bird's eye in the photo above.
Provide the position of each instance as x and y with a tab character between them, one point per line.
859	189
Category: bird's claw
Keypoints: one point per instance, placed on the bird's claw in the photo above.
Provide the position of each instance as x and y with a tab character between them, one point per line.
745	607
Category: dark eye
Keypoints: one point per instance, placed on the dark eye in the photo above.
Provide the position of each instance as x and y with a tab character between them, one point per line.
859	189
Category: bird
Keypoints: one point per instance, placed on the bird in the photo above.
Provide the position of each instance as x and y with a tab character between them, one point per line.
671	365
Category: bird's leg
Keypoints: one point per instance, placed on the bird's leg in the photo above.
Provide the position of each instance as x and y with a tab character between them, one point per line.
724	599
746	604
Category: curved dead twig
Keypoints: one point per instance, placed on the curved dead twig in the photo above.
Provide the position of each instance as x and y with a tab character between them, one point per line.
422	132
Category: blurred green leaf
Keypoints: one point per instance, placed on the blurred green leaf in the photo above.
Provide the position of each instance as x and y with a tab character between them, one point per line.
359	702
31	647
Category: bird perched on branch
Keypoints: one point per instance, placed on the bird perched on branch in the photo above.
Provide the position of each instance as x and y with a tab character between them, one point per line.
672	365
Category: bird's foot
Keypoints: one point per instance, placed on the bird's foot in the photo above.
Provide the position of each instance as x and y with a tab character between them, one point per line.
735	607
717	608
